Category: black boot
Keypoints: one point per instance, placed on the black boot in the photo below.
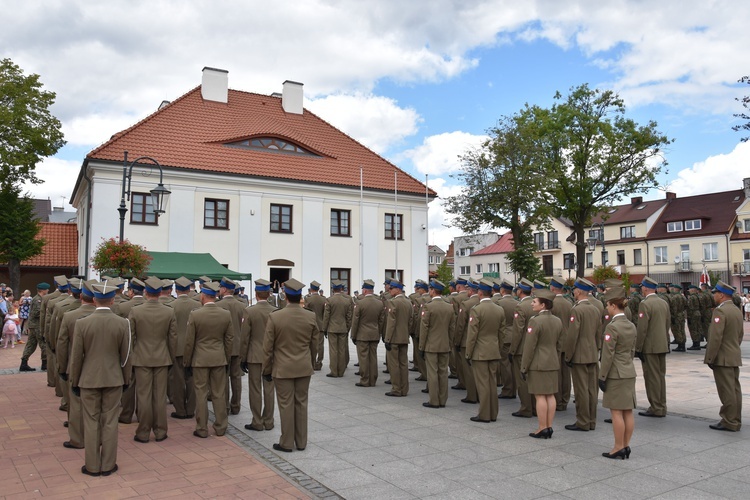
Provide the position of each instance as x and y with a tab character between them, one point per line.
25	367
44	366
695	347
680	347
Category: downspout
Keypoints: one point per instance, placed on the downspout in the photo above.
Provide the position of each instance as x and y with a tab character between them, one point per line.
88	219
648	260
729	257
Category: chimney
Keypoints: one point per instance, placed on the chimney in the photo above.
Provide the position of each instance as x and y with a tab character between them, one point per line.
637	200
215	84
746	186
671	196
291	97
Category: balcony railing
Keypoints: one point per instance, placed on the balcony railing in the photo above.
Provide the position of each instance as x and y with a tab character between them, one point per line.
683	267
741	268
547	245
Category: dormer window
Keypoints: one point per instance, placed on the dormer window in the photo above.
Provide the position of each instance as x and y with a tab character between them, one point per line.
272	144
673	227
692	225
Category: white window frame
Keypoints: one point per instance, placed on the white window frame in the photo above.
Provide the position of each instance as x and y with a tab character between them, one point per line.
493	267
747	225
479	268
637	257
465	270
589	260
711	252
674	227
693	225
660	255
627	232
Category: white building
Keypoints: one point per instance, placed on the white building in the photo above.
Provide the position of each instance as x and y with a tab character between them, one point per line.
464	246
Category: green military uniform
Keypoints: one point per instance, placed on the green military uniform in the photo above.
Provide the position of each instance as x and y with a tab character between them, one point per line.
337	321
34	329
398	325
367	323
465	375
436	329
634	300
695	323
417	300
508	303
617	369
317	304
561	309
707	306
678	304
521	316
541	353
652	346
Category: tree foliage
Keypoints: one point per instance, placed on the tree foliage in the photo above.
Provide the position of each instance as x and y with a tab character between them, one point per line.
444	275
745	100
120	258
28	131
19	229
602	273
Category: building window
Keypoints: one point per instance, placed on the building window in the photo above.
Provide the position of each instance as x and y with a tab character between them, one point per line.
692	225
569	261
341	274
605	258
142	209
216	214
271	144
392	273
589	260
438	259
637	257
552	241
660	255
710	251
464	270
340	222
391	232
673	227
547	264
479	268
747	225
507	267
597	234
281	218
465	252
432	259
621	257
539	241
627	232
493	267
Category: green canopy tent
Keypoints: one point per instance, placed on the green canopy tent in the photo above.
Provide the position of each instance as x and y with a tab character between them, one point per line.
172	265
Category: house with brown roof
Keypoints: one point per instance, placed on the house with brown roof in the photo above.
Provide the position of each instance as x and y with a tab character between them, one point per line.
492	260
436	255
739	244
264	185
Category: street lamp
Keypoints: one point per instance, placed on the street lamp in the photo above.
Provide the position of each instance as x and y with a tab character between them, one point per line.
159	194
591	242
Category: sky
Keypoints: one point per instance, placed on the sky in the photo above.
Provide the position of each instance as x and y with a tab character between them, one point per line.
419	82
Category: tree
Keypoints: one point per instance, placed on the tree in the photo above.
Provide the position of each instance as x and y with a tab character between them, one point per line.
28	131
444	275
120	258
745	100
19	228
594	156
504	187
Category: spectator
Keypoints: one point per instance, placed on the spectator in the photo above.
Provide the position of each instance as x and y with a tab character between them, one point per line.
10	326
25	307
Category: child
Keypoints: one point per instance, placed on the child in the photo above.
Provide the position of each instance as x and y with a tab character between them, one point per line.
10	328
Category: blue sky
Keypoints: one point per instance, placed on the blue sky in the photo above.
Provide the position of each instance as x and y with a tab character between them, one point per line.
419	82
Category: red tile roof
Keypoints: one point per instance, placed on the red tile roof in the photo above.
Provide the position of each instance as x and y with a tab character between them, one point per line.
717	212
629	212
192	133
60	249
503	245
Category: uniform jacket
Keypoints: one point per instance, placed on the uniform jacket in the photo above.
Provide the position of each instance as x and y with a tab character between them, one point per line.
541	350
254	322
338	314
368	319
154	334
290	344
51	307
484	335
183	305
417	301
521	316
69	304
508	303
653	326
209	337
436	326
561	309
462	320
618	348
67	333
317	304
123	310
583	339
43	309
101	349
399	321
34	312
237	308
725	336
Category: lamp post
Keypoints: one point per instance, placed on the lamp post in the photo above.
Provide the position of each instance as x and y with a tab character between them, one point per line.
159	194
591	242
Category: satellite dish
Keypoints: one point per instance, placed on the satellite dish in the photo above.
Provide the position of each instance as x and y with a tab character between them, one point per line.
677	259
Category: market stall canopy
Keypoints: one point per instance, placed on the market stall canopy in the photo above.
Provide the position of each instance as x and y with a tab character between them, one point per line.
191	265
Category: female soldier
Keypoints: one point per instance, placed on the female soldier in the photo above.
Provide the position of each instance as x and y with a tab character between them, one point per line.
541	360
617	374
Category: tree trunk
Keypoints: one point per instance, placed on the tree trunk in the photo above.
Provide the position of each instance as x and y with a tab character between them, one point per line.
14	275
580	250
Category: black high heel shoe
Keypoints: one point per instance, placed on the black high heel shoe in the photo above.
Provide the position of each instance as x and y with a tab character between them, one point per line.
550	431
618	454
543	434
627	452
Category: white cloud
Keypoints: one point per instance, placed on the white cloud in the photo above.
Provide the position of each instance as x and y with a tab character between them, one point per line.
722	172
441	231
59	178
439	154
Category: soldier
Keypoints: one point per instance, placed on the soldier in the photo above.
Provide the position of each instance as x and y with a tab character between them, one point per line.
235	306
153	330
707	306
582	345
634	301
483	340
521	316
260	391
466	374
418	298
48	306
678	305
724	357
337	321
561	309
508	303
99	370
35	332
651	347
290	342
695	323
367	324
436	325
451	299
123	310
398	325
166	292
183	390
70	303
317	304
208	351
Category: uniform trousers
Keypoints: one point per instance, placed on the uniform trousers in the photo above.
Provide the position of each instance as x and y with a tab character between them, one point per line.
35	338
291	394
65	402
235	381
100	409
436	365
321	351
527	403
505	372
261	397
694	325
418	361
485	374
398	366
128	401
338	353
678	329
52	378
75	418
183	391
213	379
727	380
654	372
469	382
586	389
367	352
452	362
151	401
459	368
563	392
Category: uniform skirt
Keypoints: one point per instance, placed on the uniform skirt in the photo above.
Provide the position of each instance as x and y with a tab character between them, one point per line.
543	382
620	394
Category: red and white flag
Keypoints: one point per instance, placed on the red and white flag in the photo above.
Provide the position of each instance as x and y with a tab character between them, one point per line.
705	278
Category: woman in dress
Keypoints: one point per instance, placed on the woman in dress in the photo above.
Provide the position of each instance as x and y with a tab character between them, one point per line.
540	364
25	308
617	373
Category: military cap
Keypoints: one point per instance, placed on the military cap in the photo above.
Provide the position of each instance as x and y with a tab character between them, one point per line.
104	291
583	284
544	293
137	285
649	283
314	285
704	284
61	282
293	287
635	285
525	285
106	277
75	284
722	287
227	283
437	285
368	284
472	284
262	285
496	284
210	288
397	284
337	285
460	281
539	285
153	285
452	283
601	286
387	282
182	284
693	287
87	288
507	285
485	284
557	282
42	286
421	284
166	284
612	282
675	285
616	292
117	281
204	279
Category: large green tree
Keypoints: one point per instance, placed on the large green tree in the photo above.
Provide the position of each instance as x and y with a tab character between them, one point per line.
594	156
18	232
505	187
745	100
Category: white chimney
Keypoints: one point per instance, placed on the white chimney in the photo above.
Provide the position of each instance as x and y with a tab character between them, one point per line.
215	84
291	97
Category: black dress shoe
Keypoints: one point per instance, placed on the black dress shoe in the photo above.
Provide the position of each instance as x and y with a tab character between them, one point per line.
300	449
413	369
359	384
607	420
111	471
458	387
358	373
477	419
506	397
65	424
136	438
386	371
574	427
453	377
89	473
519	414
649	414
277	446
388	382
197	434
469	401
719	427
174	414
251	428
392	394
355	364
429	405
330	375
425	391
159	440
420	379
67	444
